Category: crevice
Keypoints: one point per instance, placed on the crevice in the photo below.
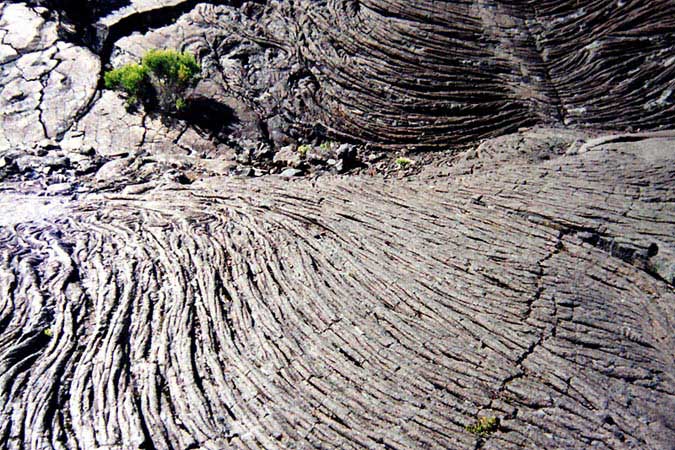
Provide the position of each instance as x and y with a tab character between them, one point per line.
551	90
101	38
539	290
636	255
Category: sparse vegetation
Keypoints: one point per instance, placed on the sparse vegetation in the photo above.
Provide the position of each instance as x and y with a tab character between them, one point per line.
160	80
484	426
303	149
327	146
48	332
403	162
132	79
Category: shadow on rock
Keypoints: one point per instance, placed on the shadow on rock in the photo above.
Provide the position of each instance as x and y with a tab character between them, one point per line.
211	117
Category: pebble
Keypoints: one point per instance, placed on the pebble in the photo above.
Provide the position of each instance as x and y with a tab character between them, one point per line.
290	172
59	188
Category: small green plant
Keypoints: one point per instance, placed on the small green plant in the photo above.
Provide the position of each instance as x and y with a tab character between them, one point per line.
403	162
327	146
303	149
172	67
484	426
161	79
48	332
131	79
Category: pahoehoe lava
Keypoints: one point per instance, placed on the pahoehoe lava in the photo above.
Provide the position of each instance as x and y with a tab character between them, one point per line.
424	74
433	73
150	301
343	313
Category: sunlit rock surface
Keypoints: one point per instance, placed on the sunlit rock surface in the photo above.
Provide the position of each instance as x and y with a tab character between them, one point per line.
157	292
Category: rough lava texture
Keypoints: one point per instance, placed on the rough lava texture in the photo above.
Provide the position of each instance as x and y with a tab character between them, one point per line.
392	75
149	300
46	83
431	73
349	312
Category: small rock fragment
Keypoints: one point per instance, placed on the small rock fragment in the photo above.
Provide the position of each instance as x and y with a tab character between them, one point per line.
290	172
59	188
288	156
245	172
346	152
56	162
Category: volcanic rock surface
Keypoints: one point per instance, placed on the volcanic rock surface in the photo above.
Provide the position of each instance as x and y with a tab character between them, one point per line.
157	292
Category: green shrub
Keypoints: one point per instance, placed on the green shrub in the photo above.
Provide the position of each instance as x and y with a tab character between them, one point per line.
160	80
132	79
172	67
483	426
402	162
